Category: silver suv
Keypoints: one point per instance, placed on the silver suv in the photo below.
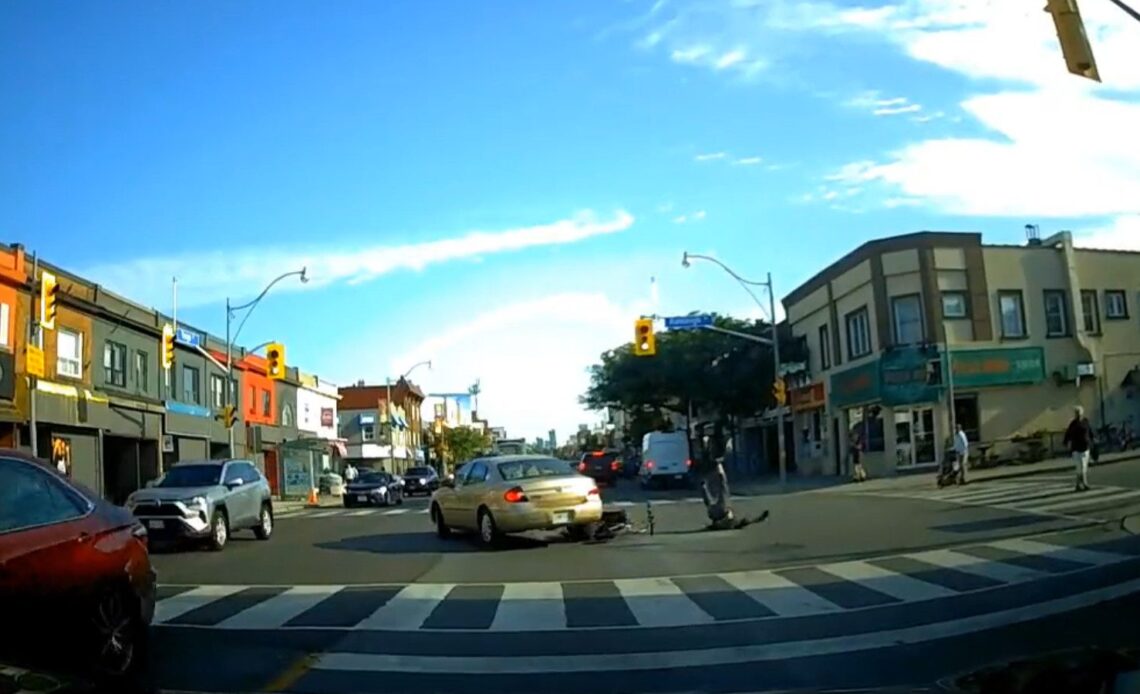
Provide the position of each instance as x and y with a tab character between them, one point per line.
205	500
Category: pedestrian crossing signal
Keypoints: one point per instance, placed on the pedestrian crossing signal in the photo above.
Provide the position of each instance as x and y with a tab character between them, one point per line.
644	340
275	360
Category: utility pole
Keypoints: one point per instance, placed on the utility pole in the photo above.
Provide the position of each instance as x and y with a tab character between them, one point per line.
781	446
391	425
37	337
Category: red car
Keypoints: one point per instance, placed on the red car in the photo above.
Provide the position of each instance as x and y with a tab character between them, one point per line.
76	585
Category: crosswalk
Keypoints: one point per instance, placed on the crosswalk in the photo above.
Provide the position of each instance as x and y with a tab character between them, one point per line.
632	602
1043	497
405	510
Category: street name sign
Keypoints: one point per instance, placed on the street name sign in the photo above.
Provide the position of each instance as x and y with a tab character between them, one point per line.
688	322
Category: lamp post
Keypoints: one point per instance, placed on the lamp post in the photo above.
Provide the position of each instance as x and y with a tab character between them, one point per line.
771	309
388	415
248	308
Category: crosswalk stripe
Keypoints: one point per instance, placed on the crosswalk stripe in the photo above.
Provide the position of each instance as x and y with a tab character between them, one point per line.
409	608
997	496
783	597
365	512
1077	554
658	602
322	514
998	571
530	607
897	585
178	605
279	609
396	512
1093	497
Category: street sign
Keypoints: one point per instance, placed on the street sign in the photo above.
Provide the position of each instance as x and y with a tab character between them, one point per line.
187	337
688	322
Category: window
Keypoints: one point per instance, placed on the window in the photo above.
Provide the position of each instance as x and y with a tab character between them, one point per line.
287	415
858	334
1056	315
1090	311
191	386
217	391
69	353
824	348
867	422
907	311
266	403
141	369
1011	308
30	497
367	432
252	400
1116	304
955	305
115	364
5	313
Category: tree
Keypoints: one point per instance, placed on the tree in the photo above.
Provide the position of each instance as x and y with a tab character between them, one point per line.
465	443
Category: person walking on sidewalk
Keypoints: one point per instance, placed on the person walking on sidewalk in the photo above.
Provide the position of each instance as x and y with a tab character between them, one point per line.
855	451
1078	437
961	453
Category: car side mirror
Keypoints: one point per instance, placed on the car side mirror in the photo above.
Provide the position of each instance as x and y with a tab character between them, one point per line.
233	484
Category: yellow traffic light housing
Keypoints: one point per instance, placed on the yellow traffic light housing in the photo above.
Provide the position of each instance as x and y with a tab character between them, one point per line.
49	295
1074	40
229	416
275	360
167	346
780	392
644	340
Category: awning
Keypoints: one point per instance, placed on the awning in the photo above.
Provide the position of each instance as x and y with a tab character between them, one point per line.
340	448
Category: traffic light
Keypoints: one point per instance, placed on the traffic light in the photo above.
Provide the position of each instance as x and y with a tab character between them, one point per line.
780	391
167	346
229	416
1074	40
49	295
644	341
275	360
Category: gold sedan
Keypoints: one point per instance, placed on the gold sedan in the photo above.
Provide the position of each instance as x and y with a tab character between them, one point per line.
515	493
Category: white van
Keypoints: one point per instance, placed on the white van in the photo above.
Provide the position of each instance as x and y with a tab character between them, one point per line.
664	458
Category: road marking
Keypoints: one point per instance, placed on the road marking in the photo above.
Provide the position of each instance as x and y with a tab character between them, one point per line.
178	605
397	512
901	586
1077	554
279	609
998	571
289	676
658	602
778	594
733	655
531	607
365	512
1094	498
409	608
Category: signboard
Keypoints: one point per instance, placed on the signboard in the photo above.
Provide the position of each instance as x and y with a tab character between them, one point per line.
187	337
856	386
807	398
688	322
903	375
978	368
298	481
35	361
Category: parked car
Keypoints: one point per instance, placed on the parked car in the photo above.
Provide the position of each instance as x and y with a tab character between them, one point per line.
603	466
371	488
515	493
75	575
422	479
206	500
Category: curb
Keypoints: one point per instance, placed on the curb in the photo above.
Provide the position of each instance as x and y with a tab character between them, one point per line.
1057	467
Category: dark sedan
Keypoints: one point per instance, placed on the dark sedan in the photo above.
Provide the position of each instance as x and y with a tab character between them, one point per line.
373	488
603	466
419	480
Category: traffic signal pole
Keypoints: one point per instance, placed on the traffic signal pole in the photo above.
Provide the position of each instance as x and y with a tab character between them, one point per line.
781	446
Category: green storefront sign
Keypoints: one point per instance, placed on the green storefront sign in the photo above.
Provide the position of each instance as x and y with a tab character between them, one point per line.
904	372
856	386
980	368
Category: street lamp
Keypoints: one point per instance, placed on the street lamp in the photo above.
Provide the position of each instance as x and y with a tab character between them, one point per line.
388	415
248	308
686	257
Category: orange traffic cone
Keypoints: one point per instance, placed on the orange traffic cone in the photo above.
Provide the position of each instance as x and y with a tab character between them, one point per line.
313	500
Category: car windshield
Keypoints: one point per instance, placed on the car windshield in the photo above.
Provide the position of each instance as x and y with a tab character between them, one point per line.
536	467
373	478
419	472
192	476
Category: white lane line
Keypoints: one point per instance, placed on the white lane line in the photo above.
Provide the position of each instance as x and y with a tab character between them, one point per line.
365	512
324	514
993	570
408	609
778	594
396	511
530	607
178	605
733	655
658	602
279	609
901	586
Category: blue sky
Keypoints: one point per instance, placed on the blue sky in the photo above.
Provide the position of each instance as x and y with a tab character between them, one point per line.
492	185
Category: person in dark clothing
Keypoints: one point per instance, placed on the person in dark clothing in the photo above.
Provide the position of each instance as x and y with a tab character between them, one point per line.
1079	439
714	483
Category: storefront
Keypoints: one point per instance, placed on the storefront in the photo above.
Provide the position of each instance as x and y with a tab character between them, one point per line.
1005	388
855	403
809	414
913	394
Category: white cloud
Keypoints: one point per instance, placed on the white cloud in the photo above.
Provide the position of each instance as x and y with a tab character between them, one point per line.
681	219
511	350
1122	233
697	216
710	156
747	161
878	105
210	277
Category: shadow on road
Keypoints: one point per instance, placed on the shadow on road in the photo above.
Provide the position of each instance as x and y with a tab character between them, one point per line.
428	543
982	526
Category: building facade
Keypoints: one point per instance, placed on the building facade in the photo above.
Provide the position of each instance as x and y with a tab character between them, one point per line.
382	426
911	333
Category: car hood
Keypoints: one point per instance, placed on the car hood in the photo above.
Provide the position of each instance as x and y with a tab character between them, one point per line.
159	494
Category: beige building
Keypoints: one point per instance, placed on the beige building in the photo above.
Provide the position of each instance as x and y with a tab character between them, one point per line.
1014	336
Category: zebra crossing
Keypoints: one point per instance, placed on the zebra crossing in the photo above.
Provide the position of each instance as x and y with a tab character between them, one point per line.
633	602
1049	497
404	510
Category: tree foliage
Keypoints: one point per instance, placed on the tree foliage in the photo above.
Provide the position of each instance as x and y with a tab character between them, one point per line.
465	443
712	370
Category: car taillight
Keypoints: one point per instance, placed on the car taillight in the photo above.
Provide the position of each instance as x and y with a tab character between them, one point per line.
649	464
593	492
582	467
688	462
616	465
514	495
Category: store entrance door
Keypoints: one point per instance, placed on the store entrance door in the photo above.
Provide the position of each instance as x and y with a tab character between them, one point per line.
915	440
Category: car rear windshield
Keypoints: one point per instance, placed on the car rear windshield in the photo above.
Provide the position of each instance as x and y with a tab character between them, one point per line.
534	468
419	472
373	478
192	476
598	457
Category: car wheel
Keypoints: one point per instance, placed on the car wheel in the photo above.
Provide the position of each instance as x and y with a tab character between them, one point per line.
488	531
441	528
219	531
119	638
265	523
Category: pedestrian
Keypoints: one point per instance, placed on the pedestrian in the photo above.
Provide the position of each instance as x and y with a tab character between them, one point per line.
1078	437
714	483
961	454
855	450
350	472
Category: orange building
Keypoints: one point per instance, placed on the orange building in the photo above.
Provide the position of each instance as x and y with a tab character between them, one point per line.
14	300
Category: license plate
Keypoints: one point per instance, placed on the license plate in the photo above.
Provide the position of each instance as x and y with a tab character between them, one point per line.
156	524
560	517
678	477
362	498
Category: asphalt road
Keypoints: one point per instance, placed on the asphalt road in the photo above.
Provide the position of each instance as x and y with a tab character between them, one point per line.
836	589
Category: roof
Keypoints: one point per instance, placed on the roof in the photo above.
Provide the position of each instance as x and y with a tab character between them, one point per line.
369	397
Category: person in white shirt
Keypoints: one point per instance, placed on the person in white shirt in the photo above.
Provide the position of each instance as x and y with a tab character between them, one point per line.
962	453
350	472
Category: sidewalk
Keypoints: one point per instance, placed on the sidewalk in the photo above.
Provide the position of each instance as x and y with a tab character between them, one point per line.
323	501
